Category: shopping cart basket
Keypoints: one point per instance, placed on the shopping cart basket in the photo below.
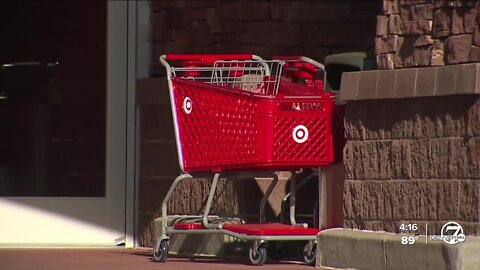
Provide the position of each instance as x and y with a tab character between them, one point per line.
234	113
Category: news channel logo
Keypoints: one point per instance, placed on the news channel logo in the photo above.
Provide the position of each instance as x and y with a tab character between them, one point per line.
451	233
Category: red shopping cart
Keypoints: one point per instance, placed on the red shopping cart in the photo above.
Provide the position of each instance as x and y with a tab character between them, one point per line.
234	113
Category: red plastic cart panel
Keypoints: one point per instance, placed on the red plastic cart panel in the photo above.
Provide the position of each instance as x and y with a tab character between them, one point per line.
256	229
189	226
224	129
270	229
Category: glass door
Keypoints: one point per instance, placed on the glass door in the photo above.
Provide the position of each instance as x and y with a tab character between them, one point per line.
62	115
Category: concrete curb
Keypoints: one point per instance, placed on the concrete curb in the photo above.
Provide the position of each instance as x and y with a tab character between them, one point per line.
342	248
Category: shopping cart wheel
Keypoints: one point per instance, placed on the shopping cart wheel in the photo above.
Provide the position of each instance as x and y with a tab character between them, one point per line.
309	253
259	257
160	251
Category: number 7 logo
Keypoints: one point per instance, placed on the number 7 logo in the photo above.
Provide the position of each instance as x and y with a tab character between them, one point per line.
457	229
457	236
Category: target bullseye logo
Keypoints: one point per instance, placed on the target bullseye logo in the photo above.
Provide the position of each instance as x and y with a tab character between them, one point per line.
300	134
187	105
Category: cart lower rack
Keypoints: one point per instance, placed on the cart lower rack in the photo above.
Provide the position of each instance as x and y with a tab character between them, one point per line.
234	113
260	233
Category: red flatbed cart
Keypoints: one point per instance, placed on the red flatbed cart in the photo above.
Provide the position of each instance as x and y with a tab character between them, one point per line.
234	113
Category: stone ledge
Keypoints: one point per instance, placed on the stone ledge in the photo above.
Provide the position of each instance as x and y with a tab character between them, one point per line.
411	82
342	248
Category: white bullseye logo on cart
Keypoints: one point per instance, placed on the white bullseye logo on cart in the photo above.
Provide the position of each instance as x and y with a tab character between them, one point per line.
187	105
300	134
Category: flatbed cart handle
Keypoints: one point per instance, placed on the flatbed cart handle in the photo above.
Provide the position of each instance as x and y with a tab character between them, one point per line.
210	59
301	67
300	58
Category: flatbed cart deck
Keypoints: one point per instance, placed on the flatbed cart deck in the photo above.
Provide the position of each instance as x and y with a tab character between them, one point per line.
234	117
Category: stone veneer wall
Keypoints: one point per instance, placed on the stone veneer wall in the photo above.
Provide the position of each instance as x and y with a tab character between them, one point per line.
263	27
413	160
412	33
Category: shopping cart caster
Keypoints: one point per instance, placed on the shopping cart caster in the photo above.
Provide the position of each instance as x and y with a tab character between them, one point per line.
309	252
258	253
160	251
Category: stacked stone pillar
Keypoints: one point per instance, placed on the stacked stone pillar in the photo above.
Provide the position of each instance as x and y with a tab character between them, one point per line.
413	134
413	160
418	33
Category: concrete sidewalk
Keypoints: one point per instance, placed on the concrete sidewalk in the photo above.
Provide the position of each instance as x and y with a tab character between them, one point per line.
120	259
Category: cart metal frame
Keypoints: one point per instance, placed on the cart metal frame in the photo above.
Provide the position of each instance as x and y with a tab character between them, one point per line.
257	252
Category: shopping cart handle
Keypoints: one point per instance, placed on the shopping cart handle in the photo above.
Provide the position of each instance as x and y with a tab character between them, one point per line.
208	58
